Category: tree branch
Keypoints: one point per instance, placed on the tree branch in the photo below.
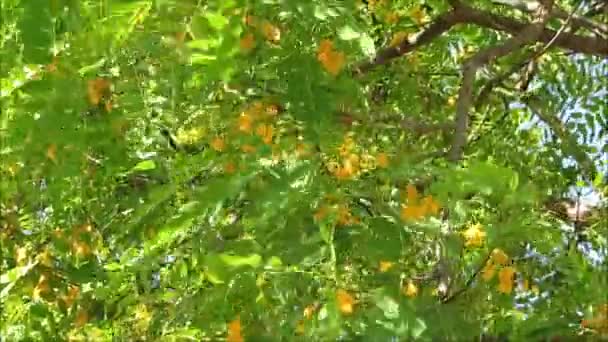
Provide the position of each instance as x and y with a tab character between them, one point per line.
442	24
469	281
528	34
581	21
581	44
464	14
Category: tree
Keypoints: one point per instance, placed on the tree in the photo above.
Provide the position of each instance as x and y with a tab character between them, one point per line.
303	170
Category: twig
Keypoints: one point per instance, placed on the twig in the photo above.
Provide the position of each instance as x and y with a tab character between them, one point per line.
469	281
530	6
441	24
528	34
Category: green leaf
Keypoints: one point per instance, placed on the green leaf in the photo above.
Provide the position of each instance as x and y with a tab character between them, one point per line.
144	166
217	21
348	33
367	45
253	260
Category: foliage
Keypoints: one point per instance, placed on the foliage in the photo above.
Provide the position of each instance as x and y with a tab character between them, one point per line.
193	170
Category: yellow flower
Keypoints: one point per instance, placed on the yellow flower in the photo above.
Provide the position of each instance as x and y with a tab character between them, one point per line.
346	303
410	289
385	265
500	257
392	17
21	255
271	32
417	14
398	38
218	144
451	101
505	279
474	236
309	311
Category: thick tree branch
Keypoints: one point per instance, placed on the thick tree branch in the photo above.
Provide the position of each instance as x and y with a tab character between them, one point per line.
528	34
464	14
581	44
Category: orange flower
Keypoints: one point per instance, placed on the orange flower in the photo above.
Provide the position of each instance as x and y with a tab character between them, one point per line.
51	152
45	258
71	296
218	144
248	148
265	132
229	167
505	279
80	248
344	216
321	213
250	20
382	160
500	257
412	194
345	302
412	212
234	331
430	205
487	273
331	60
302	150
97	90
247	43
42	287
245	122
271	32
82	317
343	173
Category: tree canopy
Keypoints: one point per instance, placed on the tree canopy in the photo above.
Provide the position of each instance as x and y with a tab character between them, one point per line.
244	170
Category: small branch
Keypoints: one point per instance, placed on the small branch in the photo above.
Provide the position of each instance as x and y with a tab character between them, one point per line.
424	128
573	149
442	24
469	281
580	44
469	71
581	21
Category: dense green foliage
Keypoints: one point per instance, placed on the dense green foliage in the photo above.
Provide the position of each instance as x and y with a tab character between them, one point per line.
191	170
